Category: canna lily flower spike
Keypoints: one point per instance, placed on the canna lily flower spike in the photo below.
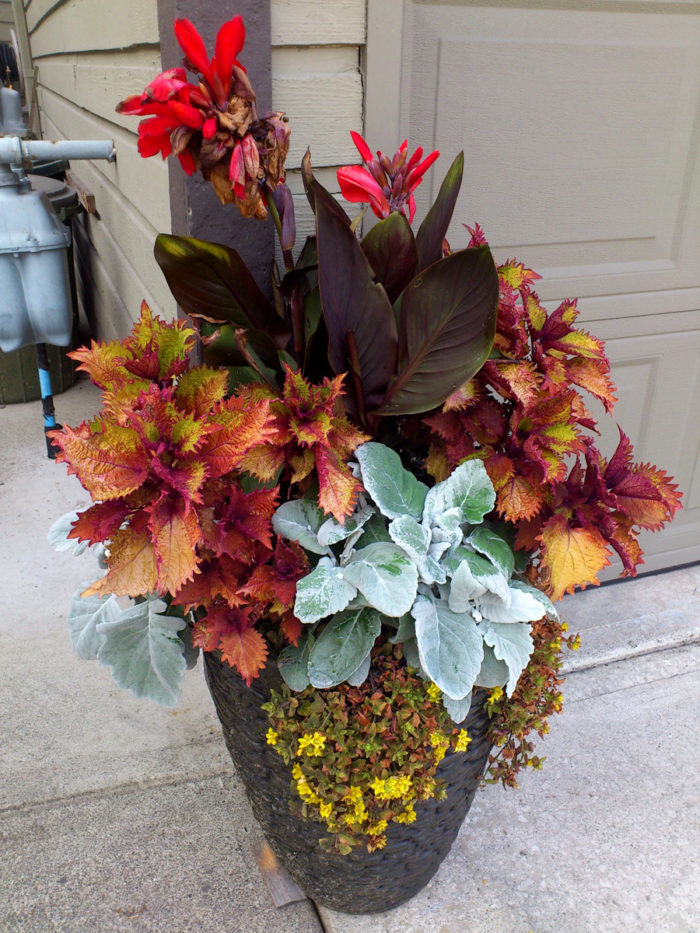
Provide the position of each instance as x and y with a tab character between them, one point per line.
213	126
385	184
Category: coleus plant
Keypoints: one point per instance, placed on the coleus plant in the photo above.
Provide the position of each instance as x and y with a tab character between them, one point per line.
524	415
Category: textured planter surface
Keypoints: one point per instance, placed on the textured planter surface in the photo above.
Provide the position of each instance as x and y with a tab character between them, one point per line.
362	882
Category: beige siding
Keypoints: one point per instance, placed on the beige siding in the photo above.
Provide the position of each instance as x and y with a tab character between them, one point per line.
89	55
6	20
316	80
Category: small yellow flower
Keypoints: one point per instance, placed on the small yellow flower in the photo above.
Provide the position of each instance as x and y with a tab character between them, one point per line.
271	737
462	741
296	772
495	696
375	829
312	743
576	643
564	627
434	692
354	795
326	809
378	786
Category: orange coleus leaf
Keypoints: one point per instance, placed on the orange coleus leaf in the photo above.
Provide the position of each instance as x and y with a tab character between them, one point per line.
519	498
592	375
337	487
200	388
104	363
132	569
620	533
238	430
246	650
517	380
108	459
436	463
291	628
175	532
570	556
263	462
219	620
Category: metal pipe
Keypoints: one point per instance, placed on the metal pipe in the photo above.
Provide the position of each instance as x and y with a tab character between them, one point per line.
16	150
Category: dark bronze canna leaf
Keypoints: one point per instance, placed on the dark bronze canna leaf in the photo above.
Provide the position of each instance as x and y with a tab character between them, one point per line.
447	324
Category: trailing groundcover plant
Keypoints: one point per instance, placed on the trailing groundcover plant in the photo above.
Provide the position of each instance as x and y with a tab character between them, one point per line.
377	480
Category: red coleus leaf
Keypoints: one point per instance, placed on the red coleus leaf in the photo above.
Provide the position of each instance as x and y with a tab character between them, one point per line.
219	620
100	521
215	579
644	493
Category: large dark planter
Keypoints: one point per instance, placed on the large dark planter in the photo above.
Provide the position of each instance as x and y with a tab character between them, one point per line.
362	882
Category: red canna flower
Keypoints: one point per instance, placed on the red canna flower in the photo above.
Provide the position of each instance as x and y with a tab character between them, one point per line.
213	125
385	184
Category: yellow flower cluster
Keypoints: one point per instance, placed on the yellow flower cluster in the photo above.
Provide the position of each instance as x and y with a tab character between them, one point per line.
408	815
391	788
462	741
440	744
313	744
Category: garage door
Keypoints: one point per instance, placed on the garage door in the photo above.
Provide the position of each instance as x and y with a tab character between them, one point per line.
580	124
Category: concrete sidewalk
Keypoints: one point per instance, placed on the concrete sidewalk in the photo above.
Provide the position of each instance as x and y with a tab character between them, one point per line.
117	815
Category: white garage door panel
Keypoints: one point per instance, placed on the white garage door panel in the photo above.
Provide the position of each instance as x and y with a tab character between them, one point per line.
580	123
580	132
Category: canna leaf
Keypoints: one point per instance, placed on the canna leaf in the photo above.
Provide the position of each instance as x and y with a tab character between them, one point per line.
353	303
433	230
391	249
447	325
211	280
